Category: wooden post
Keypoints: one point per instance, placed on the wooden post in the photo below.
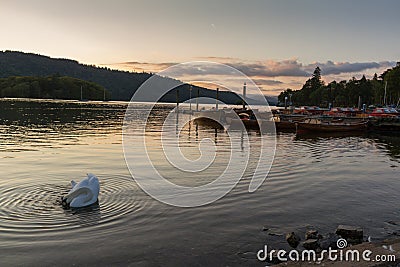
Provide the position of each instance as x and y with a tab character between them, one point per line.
244	96
177	100
216	99
197	99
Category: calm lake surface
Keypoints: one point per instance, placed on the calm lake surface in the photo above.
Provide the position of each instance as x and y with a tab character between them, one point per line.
314	181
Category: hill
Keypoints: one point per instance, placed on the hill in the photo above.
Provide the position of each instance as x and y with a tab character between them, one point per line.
120	84
51	87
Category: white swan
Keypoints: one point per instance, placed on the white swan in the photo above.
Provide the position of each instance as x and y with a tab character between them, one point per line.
84	193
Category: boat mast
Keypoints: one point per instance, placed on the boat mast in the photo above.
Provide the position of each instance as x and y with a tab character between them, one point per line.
216	99
244	96
177	111
177	100
197	99
190	99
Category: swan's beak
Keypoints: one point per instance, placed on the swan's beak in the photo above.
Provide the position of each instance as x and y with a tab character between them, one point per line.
64	202
66	199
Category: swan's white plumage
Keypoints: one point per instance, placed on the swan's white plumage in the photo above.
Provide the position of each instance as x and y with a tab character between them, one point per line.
84	193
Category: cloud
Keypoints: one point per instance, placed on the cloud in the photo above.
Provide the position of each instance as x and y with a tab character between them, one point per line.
293	68
142	66
159	65
272	68
266	82
331	67
219	59
263	69
291	72
269	68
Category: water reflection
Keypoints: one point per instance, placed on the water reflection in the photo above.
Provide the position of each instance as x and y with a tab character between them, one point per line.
311	177
333	135
29	125
390	143
86	216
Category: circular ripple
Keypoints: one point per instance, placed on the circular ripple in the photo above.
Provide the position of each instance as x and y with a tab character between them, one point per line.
35	209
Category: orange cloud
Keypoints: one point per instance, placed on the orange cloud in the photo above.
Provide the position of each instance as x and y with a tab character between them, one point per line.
271	76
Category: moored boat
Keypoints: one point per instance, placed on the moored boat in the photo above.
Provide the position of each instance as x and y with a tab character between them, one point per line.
384	113
317	125
310	110
285	126
343	112
287	123
249	122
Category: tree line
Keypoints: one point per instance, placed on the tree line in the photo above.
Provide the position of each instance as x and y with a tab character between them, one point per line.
349	93
121	84
53	87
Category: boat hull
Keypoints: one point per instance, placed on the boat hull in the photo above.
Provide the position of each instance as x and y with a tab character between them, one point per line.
208	123
314	127
285	126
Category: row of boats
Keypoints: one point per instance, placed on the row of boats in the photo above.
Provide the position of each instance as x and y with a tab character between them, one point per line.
341	120
336	121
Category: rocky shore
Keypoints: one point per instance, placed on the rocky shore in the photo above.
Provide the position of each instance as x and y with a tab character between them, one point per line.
386	247
348	243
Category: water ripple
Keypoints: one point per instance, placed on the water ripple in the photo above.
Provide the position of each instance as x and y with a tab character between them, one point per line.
35	209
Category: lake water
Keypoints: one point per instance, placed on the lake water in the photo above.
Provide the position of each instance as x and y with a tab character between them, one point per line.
315	181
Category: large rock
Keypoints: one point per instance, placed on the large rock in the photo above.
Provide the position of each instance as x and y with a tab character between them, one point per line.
311	234
293	239
353	234
311	244
328	241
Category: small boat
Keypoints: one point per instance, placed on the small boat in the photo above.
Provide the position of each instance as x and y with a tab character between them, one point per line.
244	116
287	123
343	112
285	126
208	123
384	113
246	120
250	119
310	110
317	125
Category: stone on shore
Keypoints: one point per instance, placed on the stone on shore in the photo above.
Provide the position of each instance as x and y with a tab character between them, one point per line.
311	244
293	239
329	241
311	234
353	234
377	248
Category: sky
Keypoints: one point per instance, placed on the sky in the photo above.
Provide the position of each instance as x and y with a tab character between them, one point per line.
277	43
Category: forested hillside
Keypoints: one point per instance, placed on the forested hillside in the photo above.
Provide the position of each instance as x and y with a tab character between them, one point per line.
121	85
347	93
51	87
